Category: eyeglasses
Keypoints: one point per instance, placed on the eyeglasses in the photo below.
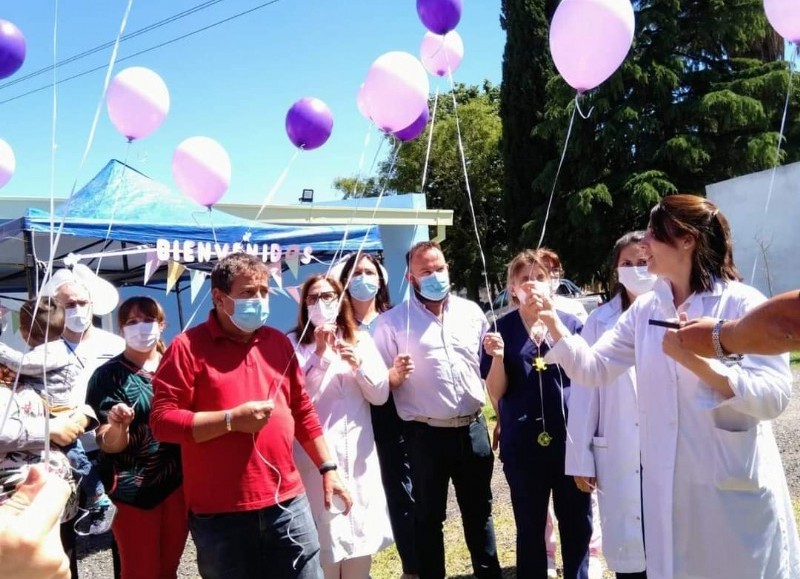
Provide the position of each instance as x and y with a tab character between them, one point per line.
326	297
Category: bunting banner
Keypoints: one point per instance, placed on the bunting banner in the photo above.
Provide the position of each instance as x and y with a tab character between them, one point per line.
174	272
292	259
150	267
276	274
294	291
15	321
198	277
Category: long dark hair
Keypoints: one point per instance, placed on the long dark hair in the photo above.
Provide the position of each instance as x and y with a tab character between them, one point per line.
382	301
680	215
630	238
149	307
345	321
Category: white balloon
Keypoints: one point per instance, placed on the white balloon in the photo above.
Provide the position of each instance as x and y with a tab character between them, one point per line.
395	90
441	53
8	163
138	102
784	15
201	168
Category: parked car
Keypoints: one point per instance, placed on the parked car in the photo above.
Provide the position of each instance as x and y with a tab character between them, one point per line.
567	288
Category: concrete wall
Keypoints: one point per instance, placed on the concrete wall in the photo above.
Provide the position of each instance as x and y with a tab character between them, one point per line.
766	244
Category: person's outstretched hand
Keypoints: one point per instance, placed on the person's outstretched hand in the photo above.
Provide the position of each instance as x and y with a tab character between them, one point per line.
30	544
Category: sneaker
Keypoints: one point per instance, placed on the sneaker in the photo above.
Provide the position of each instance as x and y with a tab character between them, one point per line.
551	568
595	568
97	519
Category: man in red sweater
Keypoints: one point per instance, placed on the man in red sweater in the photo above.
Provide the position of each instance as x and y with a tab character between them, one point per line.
231	393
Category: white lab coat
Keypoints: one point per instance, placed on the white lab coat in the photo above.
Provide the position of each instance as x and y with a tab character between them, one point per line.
603	442
342	397
716	503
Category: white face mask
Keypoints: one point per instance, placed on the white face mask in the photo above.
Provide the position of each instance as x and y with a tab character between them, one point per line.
636	280
542	288
321	313
142	337
78	319
522	296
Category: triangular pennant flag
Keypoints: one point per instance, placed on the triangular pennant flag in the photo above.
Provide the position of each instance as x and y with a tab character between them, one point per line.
292	261
174	272
276	274
150	267
198	278
294	291
15	321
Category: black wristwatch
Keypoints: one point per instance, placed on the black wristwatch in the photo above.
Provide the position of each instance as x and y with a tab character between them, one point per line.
327	466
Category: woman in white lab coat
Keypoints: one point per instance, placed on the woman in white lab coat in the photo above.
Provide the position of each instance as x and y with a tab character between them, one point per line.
714	494
603	425
344	375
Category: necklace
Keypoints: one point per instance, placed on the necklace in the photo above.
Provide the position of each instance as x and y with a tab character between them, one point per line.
537	334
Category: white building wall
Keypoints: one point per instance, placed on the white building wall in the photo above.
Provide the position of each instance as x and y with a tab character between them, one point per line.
766	244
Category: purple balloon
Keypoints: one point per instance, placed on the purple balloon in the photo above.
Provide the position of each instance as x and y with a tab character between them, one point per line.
439	16
12	49
309	123
415	129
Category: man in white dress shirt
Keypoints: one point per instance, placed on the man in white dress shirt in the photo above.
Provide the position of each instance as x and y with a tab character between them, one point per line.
434	340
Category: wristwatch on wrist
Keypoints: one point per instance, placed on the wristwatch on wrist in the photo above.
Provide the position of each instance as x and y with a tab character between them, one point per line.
719	351
228	421
327	466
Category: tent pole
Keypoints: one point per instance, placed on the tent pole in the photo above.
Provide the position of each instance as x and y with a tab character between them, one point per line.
30	264
180	306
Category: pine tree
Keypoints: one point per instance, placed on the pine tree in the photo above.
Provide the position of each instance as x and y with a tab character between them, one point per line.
698	100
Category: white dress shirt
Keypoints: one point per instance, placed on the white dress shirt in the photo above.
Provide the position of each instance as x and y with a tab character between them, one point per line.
446	380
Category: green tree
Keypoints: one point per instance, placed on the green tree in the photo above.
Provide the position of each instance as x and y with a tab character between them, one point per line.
527	67
698	100
445	187
356	187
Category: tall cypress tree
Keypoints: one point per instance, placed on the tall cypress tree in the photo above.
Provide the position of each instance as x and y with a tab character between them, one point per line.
527	67
698	100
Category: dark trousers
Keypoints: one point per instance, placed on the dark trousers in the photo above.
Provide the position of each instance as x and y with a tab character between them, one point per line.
84	471
463	455
396	478
532	476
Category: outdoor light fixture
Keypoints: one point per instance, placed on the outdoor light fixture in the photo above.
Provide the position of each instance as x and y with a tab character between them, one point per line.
307	196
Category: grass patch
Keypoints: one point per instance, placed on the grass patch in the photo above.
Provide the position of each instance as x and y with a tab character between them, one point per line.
794	358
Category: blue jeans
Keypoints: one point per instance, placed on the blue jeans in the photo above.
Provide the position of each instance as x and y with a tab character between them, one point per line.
463	455
276	542
85	472
396	479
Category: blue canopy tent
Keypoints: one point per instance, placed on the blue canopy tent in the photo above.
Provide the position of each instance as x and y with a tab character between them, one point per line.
121	211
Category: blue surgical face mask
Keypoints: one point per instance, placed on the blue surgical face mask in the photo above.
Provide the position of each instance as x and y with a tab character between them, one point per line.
363	287
249	314
435	286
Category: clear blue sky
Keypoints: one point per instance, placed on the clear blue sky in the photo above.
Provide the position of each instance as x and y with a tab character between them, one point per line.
233	83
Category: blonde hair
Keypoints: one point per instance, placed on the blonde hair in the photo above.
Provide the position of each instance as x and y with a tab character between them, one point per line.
526	259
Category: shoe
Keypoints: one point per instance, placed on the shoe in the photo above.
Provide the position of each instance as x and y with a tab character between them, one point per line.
595	568
551	568
97	519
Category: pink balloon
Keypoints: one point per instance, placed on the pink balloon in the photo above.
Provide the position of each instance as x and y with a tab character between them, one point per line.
361	103
395	90
441	53
589	39
8	163
138	102
202	170
784	15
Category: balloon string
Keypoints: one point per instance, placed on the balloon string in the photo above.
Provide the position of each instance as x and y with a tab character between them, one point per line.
302	334
469	197
121	183
792	66
558	172
578	107
430	141
89	142
274	189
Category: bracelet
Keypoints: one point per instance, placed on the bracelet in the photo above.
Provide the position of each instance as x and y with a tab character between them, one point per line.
228	421
327	466
719	351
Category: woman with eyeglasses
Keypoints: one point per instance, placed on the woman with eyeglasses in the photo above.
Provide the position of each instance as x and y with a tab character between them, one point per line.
714	494
344	375
365	281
